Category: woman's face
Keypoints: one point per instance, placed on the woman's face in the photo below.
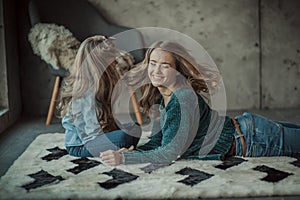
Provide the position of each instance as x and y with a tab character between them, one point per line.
162	69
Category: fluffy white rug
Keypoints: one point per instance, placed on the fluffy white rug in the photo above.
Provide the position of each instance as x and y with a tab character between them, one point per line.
44	171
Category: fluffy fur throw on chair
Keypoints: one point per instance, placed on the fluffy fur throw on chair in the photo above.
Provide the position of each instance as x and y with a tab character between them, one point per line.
55	44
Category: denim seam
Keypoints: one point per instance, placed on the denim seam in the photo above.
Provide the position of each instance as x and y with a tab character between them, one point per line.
248	135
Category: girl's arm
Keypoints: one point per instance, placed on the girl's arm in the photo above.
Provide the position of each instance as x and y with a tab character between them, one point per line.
155	138
153	143
179	129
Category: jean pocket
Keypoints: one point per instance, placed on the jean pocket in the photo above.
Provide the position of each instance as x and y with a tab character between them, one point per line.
265	137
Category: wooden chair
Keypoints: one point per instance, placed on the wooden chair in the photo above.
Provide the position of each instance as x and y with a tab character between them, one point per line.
83	20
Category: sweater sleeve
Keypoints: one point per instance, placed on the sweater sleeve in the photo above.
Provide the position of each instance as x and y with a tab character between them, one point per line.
155	138
179	128
154	142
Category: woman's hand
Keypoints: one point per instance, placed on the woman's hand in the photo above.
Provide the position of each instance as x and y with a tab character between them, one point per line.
111	158
114	158
130	149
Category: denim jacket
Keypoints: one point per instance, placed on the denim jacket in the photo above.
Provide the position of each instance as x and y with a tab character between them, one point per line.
81	123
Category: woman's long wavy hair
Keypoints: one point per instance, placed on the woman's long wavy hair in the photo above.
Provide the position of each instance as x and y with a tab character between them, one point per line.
93	71
203	79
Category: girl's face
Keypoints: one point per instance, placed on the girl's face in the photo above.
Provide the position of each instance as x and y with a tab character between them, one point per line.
162	69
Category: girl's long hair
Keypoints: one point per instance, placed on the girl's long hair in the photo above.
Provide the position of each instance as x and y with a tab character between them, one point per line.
93	71
203	79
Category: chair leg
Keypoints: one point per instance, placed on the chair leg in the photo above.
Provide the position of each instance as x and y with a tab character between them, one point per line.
53	100
136	106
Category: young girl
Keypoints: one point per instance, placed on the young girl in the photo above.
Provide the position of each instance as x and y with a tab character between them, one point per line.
86	100
185	118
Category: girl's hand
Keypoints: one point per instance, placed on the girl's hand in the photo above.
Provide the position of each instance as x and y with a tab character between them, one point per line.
131	149
111	158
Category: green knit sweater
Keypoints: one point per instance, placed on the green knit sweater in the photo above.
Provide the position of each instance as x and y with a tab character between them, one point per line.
188	129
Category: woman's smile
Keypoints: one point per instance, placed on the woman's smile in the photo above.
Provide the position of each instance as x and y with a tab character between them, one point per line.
157	78
162	69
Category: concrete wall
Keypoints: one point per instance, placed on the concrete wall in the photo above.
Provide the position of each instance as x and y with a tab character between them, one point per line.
255	44
230	40
280	32
231	32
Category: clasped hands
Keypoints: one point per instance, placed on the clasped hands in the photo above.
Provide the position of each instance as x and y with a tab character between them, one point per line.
114	158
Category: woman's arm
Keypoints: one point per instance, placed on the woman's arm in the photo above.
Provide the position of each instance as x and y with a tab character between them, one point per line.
178	131
155	138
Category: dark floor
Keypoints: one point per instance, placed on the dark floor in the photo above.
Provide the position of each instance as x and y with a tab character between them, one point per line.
16	139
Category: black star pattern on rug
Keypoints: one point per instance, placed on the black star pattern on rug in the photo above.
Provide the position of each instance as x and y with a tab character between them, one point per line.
296	162
41	178
195	176
119	177
274	175
83	164
152	167
230	162
56	153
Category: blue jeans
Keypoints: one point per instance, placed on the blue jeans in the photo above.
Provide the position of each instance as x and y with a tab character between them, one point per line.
265	137
109	141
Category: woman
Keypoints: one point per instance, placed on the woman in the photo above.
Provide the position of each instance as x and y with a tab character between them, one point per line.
86	100
185	117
